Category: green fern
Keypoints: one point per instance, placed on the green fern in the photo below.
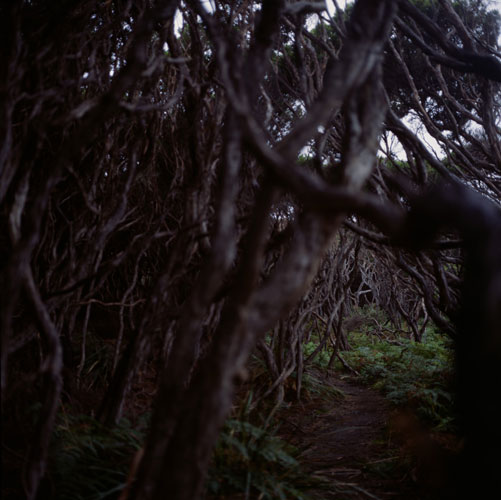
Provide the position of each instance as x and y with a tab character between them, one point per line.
409	373
253	461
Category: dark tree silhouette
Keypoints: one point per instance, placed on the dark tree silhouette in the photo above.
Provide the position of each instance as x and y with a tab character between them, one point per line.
181	178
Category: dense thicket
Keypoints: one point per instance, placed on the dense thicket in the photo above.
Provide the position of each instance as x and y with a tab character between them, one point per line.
179	179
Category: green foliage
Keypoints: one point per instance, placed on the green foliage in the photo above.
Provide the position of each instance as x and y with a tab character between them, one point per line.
254	461
409	373
89	461
322	358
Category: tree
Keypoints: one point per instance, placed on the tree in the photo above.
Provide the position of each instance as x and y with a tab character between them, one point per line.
174	177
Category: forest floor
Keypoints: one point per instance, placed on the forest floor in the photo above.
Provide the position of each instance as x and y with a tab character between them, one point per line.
363	447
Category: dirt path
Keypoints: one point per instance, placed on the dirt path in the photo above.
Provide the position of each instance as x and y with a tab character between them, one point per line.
348	441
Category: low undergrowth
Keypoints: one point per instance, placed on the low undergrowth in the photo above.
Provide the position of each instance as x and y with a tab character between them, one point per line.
411	374
254	462
314	385
251	461
89	461
322	358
